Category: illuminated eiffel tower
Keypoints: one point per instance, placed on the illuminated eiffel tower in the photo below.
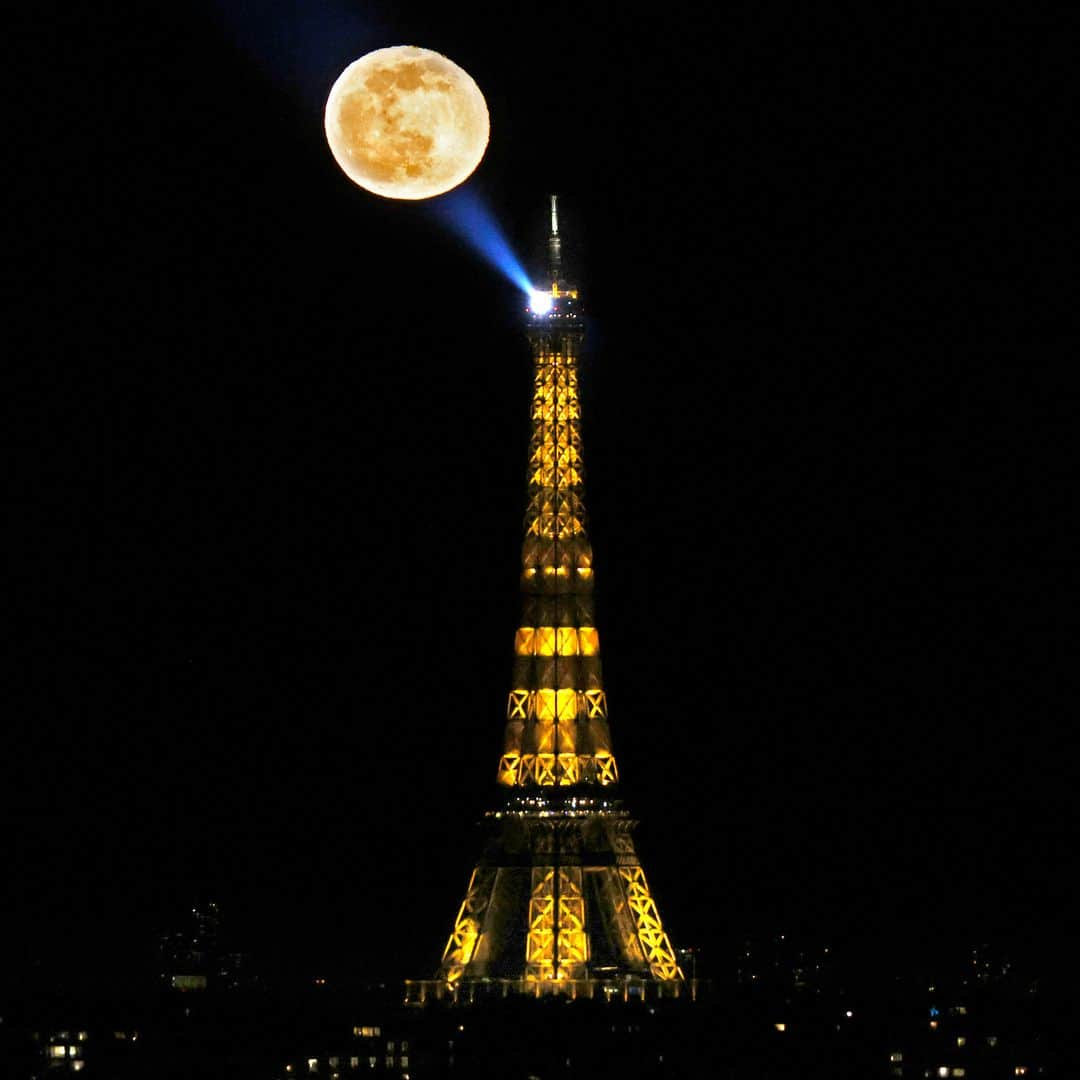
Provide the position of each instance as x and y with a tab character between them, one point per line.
558	901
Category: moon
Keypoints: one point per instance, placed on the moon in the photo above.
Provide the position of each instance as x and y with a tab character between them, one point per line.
406	123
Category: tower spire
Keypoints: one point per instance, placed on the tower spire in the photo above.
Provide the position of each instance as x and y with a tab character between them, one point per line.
554	247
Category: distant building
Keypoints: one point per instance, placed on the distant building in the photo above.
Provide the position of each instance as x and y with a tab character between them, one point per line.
196	956
785	965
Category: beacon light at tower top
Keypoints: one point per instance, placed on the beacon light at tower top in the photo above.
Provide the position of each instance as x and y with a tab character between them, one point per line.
556	303
540	303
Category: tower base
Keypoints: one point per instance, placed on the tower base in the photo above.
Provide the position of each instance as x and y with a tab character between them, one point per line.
474	991
558	904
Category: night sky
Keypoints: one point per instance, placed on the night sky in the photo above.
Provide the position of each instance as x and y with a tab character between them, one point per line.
266	612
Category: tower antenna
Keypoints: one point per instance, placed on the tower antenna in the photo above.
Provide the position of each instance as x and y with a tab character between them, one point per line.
555	246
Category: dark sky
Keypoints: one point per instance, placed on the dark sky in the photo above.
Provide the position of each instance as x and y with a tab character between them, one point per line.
268	603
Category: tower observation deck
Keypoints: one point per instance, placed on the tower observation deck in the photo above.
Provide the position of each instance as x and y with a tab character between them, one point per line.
558	901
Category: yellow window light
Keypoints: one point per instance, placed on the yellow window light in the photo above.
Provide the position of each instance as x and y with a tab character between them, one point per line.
556	704
508	769
595	704
606	772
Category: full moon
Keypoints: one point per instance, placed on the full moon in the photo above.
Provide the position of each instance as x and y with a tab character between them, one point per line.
406	123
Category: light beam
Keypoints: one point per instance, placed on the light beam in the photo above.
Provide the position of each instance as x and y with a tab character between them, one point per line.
466	215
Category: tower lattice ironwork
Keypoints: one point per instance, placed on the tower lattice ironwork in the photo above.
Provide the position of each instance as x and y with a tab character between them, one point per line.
558	900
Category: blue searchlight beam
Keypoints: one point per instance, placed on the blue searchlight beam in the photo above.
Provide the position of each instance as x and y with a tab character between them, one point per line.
465	214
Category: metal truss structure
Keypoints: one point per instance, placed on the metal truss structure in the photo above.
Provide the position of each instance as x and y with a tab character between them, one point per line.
558	901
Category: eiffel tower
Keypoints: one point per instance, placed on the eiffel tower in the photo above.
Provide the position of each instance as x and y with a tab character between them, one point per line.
558	901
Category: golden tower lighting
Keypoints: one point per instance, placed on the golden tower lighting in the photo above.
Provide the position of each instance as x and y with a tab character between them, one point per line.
558	901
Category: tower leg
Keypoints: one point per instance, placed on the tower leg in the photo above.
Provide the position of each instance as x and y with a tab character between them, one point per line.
540	940
466	936
557	945
659	954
